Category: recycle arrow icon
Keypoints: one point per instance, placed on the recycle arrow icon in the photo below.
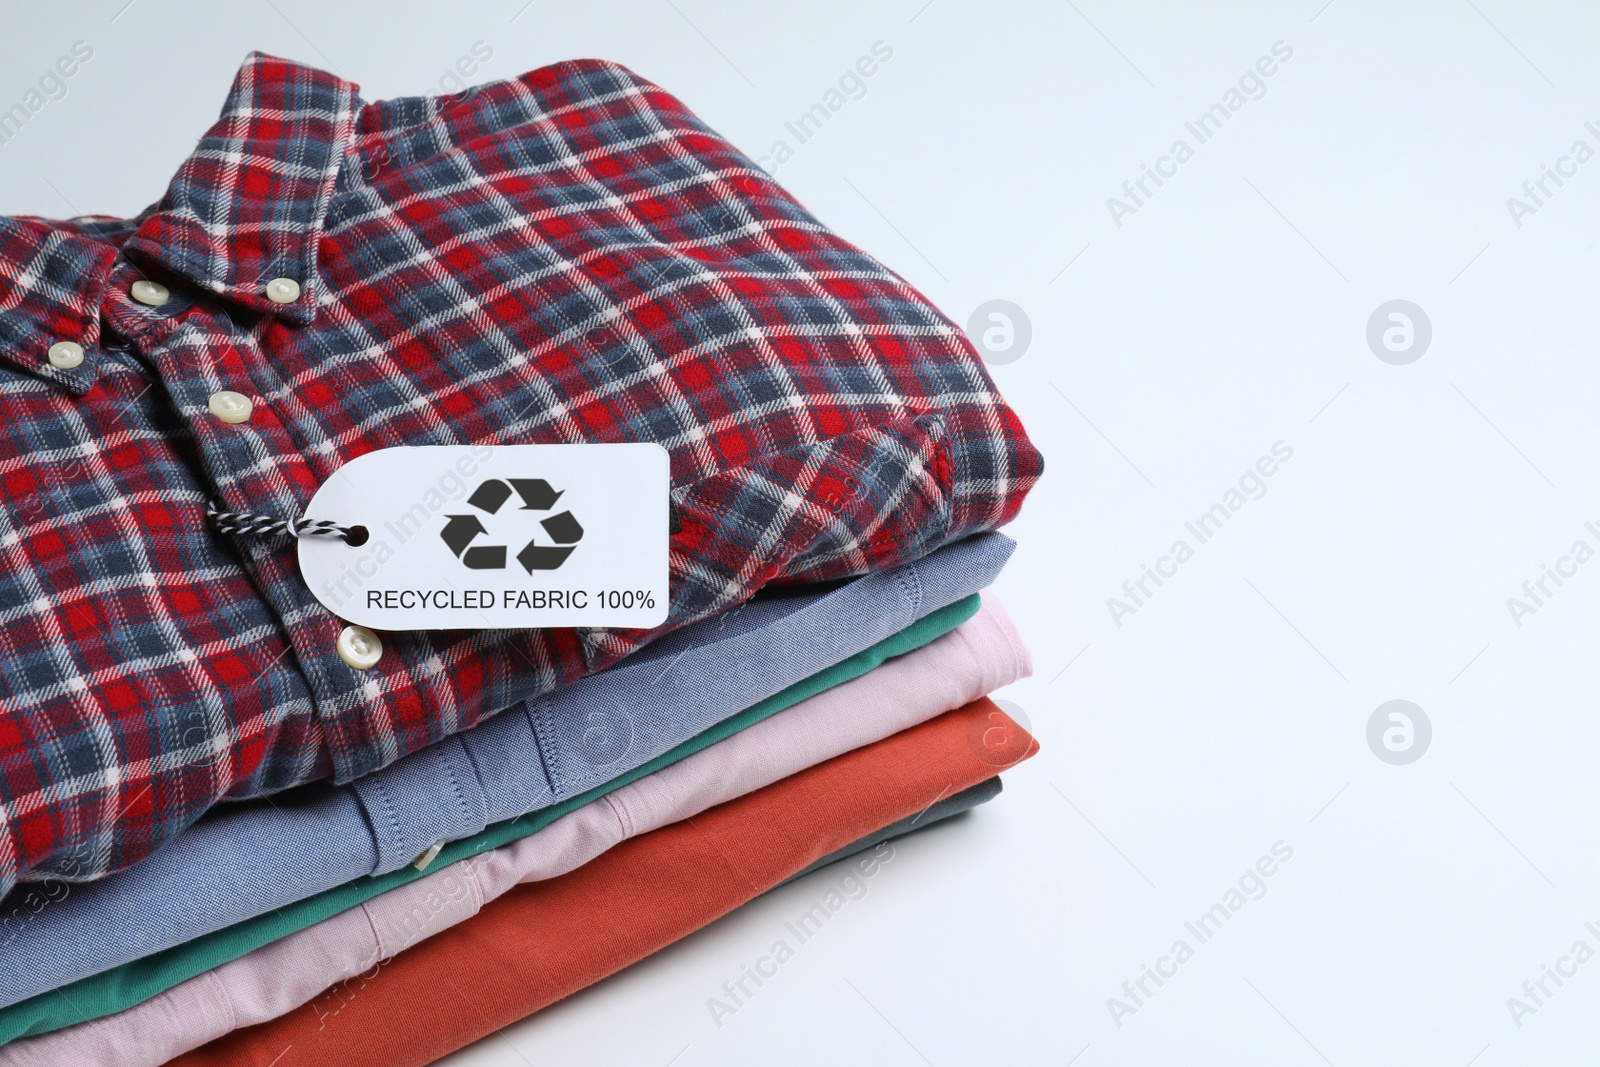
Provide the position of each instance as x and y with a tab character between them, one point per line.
536	494
490	495
458	534
460	530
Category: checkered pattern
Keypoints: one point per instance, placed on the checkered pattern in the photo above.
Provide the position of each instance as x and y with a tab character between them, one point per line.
567	256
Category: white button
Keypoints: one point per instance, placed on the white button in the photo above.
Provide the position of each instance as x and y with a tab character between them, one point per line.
360	647
65	354
152	293
422	861
230	406
283	290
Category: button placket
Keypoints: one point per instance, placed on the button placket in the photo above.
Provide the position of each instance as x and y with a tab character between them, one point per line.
258	465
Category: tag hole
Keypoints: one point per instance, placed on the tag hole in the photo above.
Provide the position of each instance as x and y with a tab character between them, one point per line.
358	536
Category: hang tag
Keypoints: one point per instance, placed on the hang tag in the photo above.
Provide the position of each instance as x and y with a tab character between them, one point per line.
496	536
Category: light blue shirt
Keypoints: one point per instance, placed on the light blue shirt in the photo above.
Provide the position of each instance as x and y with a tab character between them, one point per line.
246	859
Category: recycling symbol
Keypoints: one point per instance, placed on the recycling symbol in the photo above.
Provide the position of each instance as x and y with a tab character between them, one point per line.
536	495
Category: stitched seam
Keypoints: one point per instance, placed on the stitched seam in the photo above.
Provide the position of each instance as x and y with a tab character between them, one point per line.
391	817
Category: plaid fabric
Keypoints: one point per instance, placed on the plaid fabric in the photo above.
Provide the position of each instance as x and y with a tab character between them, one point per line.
567	256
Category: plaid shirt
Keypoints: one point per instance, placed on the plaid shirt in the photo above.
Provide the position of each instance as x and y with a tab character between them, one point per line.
566	256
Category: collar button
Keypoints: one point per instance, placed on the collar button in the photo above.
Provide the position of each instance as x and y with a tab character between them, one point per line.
283	290
64	355
151	294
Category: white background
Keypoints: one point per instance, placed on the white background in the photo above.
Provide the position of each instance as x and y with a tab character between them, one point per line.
1228	313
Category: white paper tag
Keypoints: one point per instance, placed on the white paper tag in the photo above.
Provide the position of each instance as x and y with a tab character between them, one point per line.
492	537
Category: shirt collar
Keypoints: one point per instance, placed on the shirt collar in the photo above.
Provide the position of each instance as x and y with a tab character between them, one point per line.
51	281
248	206
249	203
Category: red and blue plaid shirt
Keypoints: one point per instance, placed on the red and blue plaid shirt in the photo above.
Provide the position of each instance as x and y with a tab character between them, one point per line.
566	256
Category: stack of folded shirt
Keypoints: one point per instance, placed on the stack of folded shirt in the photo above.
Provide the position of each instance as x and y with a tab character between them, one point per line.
511	815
